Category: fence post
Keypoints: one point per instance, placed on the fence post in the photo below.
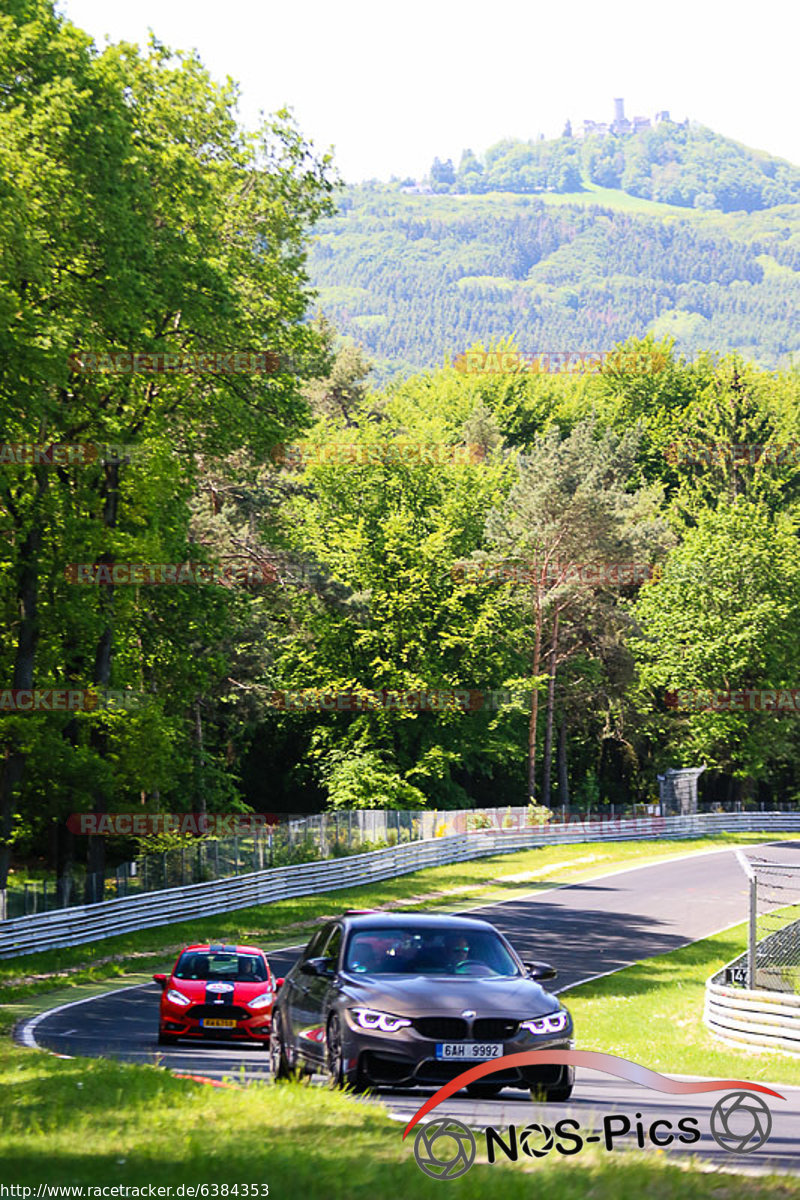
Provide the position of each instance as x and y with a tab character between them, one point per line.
751	948
236	854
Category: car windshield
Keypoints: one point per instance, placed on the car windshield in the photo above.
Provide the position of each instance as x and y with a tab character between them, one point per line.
421	951
234	968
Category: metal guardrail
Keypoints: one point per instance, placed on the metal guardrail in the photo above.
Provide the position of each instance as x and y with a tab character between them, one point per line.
746	1018
93	922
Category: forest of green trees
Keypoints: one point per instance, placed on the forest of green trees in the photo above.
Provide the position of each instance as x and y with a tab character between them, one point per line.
417	279
683	164
359	538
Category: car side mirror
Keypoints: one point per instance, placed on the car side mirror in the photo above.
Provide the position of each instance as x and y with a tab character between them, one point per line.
541	971
316	966
279	984
161	979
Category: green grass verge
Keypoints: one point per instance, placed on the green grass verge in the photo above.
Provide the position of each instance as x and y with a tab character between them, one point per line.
103	1123
653	1013
92	1122
457	885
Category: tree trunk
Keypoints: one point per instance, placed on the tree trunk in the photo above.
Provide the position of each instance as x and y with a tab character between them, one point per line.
13	758
548	732
198	733
563	777
98	739
537	653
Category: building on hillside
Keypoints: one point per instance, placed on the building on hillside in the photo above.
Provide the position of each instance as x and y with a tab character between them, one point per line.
622	124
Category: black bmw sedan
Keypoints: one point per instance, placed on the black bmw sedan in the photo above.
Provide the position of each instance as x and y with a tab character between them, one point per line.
408	999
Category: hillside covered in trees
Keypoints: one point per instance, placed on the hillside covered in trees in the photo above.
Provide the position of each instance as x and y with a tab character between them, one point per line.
344	567
416	279
676	163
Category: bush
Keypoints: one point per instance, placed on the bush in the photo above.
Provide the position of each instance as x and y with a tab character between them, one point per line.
538	814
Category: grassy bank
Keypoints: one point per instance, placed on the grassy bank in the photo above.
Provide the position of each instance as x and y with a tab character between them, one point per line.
457	885
96	1122
653	1013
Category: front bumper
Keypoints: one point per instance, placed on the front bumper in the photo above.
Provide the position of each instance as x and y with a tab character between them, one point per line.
408	1060
256	1028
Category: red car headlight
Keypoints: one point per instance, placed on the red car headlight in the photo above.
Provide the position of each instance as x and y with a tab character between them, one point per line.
260	1001
176	997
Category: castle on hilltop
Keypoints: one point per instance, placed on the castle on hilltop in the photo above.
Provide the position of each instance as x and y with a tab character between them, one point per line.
622	124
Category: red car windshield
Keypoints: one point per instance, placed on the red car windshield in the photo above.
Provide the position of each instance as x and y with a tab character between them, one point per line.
233	968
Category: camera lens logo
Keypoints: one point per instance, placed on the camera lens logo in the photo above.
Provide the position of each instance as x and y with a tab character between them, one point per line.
536	1140
740	1122
444	1149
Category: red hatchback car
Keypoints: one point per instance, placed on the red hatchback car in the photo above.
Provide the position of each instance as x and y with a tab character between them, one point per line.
217	991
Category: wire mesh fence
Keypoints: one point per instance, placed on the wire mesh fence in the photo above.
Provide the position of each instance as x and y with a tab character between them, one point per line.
293	839
772	962
202	859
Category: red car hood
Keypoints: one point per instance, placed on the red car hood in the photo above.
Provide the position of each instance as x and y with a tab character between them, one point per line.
203	991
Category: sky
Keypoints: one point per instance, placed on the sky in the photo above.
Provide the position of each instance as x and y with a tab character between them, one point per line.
391	87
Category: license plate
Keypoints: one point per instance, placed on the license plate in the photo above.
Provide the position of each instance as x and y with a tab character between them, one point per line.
470	1050
215	1023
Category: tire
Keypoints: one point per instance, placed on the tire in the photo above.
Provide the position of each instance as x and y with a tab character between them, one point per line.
338	1077
484	1091
166	1039
279	1064
555	1093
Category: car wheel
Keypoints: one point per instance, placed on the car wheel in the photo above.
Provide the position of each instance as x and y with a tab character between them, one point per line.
166	1039
334	1059
484	1091
279	1064
557	1094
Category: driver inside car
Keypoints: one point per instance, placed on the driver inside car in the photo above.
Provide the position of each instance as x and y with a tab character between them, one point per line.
456	951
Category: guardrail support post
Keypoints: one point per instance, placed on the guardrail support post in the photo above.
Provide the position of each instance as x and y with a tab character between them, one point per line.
751	948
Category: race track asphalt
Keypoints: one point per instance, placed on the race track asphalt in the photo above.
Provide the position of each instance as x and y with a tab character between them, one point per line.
584	929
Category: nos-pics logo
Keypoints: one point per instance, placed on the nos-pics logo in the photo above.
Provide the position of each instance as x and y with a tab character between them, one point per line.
445	1148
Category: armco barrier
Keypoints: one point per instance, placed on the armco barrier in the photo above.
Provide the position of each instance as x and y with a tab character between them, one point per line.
753	1020
759	1016
92	922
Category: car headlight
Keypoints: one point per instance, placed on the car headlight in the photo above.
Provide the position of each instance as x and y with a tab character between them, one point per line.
370	1018
552	1023
260	1001
177	997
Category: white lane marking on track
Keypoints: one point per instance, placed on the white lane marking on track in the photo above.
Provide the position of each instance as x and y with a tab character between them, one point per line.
560	887
25	1034
26	1037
